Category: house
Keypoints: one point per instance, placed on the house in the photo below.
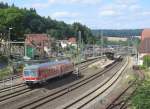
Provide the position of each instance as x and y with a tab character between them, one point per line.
37	45
72	41
64	43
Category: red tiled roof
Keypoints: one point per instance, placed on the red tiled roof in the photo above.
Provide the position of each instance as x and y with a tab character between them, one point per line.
145	34
36	37
72	40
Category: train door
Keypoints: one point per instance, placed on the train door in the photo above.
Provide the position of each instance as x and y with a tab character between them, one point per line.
59	68
42	74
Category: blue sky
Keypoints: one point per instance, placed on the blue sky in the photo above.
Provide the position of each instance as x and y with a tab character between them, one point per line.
96	14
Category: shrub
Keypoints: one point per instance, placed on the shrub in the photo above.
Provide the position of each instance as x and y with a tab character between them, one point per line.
142	67
3	59
146	60
141	98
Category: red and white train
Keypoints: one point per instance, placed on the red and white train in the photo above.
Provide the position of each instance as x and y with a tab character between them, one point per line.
42	72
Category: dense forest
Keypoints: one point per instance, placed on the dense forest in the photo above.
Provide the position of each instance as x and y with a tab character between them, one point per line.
119	33
25	21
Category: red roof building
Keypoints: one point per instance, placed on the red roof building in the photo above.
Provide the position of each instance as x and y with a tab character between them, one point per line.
145	34
72	40
145	42
38	41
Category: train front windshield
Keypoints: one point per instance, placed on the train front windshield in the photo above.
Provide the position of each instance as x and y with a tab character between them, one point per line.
30	73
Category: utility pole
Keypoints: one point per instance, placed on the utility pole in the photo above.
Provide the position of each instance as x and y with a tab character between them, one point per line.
9	53
9	44
82	49
9	39
79	46
25	49
128	44
93	49
102	43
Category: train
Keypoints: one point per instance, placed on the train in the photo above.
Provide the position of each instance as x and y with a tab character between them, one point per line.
39	73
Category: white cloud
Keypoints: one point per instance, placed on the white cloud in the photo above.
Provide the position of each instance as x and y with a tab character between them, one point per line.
73	1
40	5
51	1
120	8
145	13
127	2
108	13
2	0
64	14
109	10
134	7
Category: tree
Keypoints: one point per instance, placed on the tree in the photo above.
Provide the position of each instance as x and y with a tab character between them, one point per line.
85	32
3	5
24	21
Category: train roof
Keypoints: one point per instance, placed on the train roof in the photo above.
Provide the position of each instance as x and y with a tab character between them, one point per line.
36	66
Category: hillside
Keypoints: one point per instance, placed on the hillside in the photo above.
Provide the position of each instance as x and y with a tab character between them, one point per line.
120	33
25	21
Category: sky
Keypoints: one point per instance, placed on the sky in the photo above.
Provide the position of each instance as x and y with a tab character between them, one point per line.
96	14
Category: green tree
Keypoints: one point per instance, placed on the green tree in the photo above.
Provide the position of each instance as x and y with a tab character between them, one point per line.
24	21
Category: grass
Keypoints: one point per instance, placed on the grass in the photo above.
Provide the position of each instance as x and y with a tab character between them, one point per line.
95	67
4	72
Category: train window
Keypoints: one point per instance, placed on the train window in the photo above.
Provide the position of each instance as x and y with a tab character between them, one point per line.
30	73
26	73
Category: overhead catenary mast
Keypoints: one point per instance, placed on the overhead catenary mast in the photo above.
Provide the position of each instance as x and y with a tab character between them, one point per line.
79	46
102	42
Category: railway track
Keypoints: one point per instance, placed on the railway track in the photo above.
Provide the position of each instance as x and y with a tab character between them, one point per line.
14	94
11	87
52	96
10	78
20	89
118	102
82	101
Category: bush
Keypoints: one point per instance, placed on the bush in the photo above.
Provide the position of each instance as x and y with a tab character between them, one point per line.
141	98
142	67
3	59
4	72
146	60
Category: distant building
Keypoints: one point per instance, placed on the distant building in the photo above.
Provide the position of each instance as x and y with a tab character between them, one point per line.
37	44
145	42
63	43
144	48
117	39
72	40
